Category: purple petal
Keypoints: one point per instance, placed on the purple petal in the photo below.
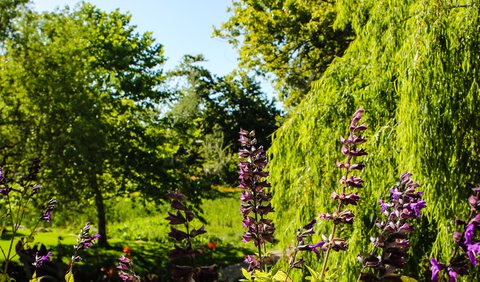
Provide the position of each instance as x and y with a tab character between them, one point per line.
435	268
469	234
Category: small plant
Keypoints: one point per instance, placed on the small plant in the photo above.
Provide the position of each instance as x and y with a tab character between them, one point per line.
255	200
303	233
16	195
84	241
184	249
340	215
405	205
467	245
125	265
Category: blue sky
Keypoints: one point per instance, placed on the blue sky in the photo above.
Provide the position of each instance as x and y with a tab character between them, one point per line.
181	26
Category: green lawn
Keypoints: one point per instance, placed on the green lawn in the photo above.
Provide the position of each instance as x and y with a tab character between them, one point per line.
145	233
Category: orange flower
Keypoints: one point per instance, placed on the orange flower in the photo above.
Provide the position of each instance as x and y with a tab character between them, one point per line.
212	245
127	251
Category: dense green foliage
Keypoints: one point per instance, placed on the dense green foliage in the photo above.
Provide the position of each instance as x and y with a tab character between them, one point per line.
9	11
81	99
208	111
295	40
414	67
90	100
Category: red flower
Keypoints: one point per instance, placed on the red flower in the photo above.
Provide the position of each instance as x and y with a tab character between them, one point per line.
212	245
127	251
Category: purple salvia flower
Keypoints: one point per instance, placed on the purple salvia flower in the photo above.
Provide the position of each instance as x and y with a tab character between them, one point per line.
469	247
352	181
85	241
47	212
436	267
384	205
182	217
314	247
473	251
469	233
36	188
337	244
308	229
125	265
255	201
452	275
40	260
417	206
405	228
252	261
405	203
346	199
457	237
350	150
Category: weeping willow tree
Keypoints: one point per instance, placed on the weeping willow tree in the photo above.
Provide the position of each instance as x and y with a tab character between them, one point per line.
414	68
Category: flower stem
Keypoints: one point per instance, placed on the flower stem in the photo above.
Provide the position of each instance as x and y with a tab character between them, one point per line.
290	266
259	246
332	234
14	232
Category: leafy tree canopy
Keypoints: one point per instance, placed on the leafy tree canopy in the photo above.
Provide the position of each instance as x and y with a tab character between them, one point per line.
207	105
295	40
9	10
79	89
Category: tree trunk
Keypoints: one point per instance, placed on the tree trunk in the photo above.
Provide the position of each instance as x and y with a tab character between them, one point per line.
102	222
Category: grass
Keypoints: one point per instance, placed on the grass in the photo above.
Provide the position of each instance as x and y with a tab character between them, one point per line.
143	229
50	237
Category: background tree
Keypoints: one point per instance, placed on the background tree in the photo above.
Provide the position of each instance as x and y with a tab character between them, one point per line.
9	10
214	108
414	68
295	40
82	99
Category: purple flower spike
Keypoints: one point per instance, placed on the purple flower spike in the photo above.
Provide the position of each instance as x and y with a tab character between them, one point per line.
252	261
85	241
469	234
384	205
417	206
40	260
125	265
310	225
47	212
255	200
452	275
355	119
466	243
313	248
340	216
405	204
435	268
473	251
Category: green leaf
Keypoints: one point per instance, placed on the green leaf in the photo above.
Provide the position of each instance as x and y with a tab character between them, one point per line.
314	275
69	277
261	274
246	274
30	239
281	276
35	278
408	279
5	278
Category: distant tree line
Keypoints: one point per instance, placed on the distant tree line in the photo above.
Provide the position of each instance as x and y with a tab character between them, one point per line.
85	93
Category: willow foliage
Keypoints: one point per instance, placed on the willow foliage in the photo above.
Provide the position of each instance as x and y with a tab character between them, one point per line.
414	68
